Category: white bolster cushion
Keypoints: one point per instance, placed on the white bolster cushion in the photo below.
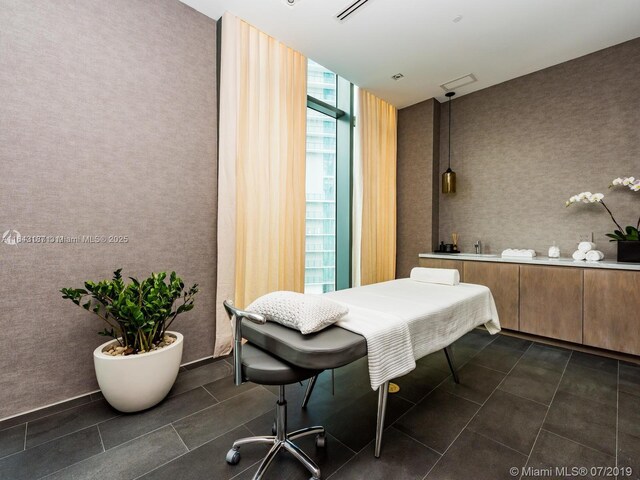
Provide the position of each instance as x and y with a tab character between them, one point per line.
304	312
443	276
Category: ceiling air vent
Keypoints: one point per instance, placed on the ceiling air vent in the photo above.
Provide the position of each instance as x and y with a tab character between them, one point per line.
350	10
459	82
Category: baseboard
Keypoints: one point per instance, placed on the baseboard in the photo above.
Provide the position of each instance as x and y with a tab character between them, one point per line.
4	422
625	357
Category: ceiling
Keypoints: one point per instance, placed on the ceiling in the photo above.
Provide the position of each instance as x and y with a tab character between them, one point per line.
496	40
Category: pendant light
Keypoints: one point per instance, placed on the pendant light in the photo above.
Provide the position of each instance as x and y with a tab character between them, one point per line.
449	176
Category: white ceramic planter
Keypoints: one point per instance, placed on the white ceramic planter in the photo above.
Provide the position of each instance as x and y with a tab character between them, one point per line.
135	382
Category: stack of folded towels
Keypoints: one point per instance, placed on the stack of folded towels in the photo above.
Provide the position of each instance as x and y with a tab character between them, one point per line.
587	251
519	252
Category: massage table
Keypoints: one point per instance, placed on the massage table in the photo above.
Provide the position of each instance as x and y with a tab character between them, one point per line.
383	318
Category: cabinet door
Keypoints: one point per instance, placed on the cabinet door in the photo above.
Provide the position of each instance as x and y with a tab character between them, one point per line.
551	302
442	263
611	307
504	282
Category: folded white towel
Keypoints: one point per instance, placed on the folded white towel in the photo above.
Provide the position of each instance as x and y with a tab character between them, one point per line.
578	255
519	252
594	256
443	276
584	247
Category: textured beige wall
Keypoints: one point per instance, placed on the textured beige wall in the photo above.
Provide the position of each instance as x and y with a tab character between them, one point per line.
417	200
521	148
107	126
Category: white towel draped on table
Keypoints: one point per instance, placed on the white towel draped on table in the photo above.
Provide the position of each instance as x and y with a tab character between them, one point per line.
404	320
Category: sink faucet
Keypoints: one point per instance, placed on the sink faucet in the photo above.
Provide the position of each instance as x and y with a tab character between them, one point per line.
478	246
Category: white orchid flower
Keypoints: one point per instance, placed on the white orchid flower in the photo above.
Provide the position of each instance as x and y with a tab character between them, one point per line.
586	197
630	182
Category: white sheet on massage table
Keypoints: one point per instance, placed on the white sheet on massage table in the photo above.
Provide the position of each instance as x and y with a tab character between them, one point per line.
404	320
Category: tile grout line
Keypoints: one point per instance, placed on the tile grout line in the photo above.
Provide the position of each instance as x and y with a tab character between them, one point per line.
181	455
237	394
525	398
227	431
442	382
499	443
26	426
417	441
207	390
194	413
68	433
246	469
162	426
100	453
474	416
182	418
546	414
49	414
181	439
51	440
101	441
69	466
577	443
135	438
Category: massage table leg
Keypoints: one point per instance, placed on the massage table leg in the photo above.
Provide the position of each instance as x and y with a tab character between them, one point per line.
383	393
451	361
309	391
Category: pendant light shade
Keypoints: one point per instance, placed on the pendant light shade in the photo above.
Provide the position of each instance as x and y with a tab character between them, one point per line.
449	181
449	176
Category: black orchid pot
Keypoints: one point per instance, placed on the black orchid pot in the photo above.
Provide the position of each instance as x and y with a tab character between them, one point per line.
629	251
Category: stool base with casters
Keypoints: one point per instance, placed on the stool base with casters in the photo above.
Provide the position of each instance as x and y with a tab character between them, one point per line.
281	440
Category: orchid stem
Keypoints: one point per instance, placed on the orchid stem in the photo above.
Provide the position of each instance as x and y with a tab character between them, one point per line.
614	220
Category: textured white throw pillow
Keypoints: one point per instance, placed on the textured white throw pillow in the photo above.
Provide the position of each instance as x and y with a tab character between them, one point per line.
304	312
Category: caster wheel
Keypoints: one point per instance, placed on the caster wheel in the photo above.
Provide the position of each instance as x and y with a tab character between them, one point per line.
233	457
321	441
274	430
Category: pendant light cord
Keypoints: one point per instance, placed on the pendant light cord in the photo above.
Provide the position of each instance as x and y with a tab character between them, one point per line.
450	132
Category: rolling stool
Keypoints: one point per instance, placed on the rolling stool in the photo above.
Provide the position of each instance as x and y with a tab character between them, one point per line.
253	364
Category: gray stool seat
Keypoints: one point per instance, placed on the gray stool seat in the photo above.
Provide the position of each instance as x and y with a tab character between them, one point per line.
330	348
264	369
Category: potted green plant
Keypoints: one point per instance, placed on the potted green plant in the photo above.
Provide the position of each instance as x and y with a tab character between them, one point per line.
138	367
628	238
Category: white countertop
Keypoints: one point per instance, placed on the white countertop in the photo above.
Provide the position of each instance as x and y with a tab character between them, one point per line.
558	262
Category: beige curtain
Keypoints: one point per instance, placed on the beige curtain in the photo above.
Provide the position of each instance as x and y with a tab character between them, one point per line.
263	97
375	190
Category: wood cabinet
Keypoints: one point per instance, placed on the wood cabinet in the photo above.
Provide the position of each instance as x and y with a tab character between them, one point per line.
611	310
503	279
551	302
442	263
597	307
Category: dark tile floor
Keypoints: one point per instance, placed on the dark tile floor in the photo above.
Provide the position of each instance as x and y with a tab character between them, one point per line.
520	405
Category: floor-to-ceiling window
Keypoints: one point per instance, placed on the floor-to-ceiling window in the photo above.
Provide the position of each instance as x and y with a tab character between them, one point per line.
328	158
